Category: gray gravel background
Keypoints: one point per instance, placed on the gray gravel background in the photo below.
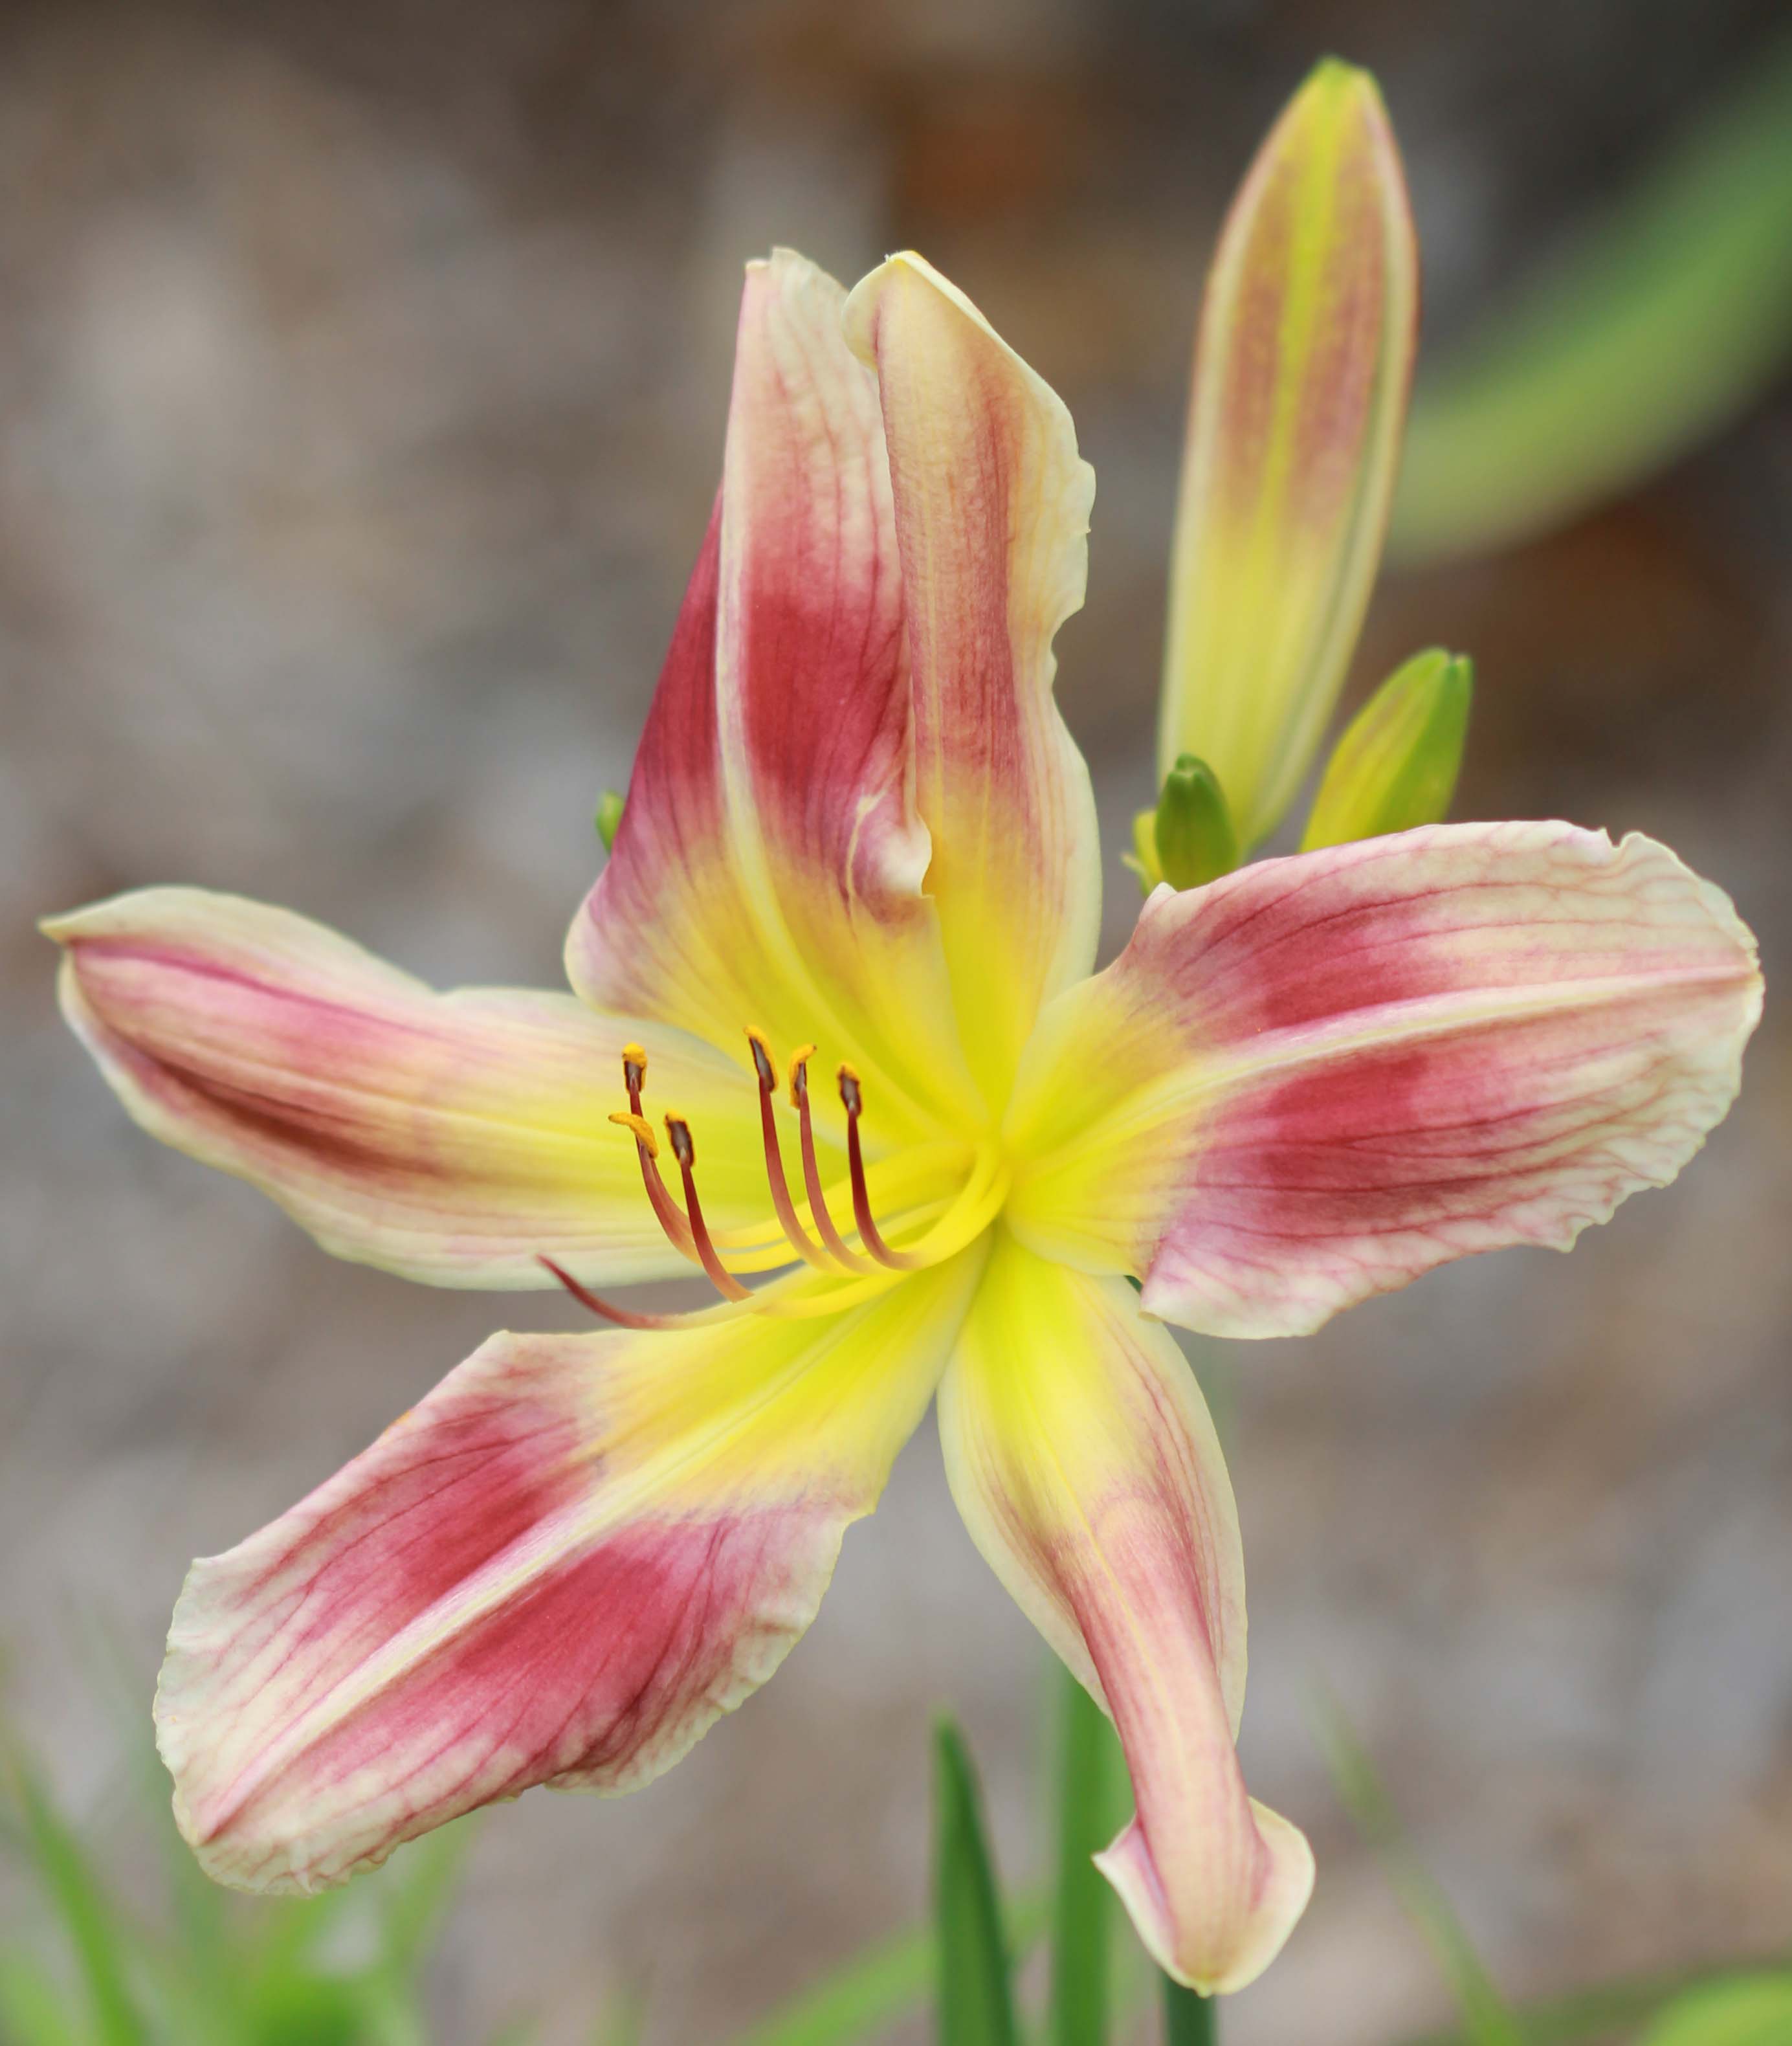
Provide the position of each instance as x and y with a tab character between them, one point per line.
362	373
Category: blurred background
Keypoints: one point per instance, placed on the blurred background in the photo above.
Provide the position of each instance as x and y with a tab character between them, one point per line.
363	368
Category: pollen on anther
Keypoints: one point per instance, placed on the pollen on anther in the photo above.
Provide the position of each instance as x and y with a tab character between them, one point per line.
851	1095
799	1073
762	1063
643	1130
683	1149
635	1065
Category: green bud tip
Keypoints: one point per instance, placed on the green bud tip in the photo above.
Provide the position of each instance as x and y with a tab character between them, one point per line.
609	816
1194	837
1396	765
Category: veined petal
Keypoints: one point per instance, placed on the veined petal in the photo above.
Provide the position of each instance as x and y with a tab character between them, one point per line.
449	1137
1082	1458
1321	1076
560	1568
991	508
1301	370
768	868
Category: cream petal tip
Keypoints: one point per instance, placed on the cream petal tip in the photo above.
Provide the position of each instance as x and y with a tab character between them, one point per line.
1216	1959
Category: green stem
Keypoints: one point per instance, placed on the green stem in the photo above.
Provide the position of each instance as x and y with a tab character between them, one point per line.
1090	1808
1188	2020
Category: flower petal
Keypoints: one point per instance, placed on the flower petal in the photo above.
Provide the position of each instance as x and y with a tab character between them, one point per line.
1301	371
768	868
561	1567
1321	1076
992	506
1082	1458
449	1137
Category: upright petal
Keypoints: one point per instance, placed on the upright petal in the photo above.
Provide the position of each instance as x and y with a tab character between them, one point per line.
1321	1076
1301	371
768	868
1082	1458
991	508
449	1137
560	1568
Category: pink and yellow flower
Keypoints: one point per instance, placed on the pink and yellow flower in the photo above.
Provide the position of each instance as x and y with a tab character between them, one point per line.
857	822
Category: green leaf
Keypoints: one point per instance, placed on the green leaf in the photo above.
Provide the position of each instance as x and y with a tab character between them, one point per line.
92	1928
1647	332
1488	2020
976	2006
1747	2010
1092	1805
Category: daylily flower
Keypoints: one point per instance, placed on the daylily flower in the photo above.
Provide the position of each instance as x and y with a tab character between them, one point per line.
857	822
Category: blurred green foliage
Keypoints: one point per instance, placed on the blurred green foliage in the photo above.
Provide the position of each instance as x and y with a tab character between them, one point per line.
1651	329
193	1965
206	1968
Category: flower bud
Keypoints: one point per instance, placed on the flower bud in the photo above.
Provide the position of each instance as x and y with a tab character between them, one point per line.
1396	764
1301	369
1191	833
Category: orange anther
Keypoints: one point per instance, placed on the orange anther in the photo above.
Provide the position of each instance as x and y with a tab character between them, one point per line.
643	1130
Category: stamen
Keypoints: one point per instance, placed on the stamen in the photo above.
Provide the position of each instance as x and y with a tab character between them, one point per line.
811	1171
801	1242
646	1150
685	1151
852	1097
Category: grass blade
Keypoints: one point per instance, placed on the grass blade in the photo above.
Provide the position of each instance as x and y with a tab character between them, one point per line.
1488	2020
87	1918
976	2001
881	1985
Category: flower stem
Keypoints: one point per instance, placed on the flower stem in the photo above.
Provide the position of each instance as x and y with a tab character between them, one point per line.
1188	2020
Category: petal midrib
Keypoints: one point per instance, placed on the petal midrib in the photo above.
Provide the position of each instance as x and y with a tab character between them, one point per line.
1383	1026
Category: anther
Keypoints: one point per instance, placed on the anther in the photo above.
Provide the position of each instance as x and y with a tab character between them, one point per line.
852	1099
801	1242
811	1171
762	1063
643	1130
646	1150
678	1130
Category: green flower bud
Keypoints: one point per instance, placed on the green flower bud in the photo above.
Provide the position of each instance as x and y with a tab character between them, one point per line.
1144	858
1396	765
609	816
1193	835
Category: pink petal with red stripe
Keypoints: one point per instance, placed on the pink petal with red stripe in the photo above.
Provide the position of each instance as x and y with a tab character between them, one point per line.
1320	1077
992	504
770	863
560	1568
449	1137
